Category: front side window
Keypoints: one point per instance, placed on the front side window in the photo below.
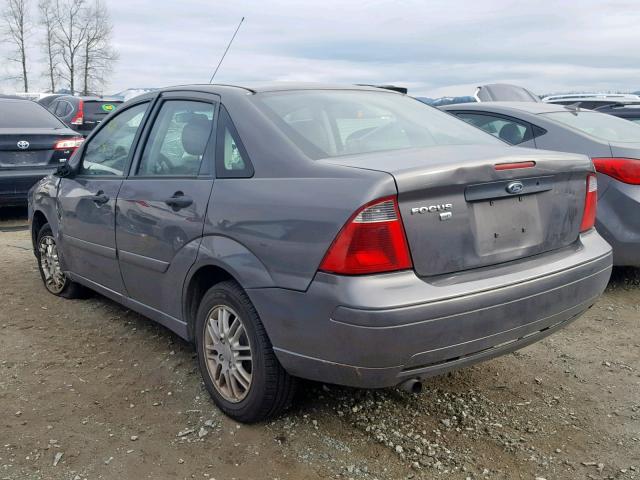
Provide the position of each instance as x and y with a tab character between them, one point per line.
329	123
178	139
108	151
599	125
505	129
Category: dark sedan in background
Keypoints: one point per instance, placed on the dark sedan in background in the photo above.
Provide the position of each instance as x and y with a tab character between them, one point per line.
612	143
33	143
629	112
82	114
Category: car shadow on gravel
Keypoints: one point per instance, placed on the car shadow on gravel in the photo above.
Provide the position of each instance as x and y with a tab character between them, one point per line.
625	277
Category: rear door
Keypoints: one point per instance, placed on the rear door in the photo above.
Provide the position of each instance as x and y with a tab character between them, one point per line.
162	204
87	201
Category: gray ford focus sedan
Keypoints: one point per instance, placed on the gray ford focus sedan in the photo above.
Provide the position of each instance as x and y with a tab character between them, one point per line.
349	235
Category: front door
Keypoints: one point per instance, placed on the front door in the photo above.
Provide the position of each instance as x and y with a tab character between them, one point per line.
163	202
87	201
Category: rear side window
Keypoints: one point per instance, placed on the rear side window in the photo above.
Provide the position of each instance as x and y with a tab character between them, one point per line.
507	129
178	139
107	152
63	108
232	160
329	123
26	114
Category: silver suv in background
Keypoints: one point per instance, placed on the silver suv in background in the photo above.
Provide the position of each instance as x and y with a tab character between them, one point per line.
349	235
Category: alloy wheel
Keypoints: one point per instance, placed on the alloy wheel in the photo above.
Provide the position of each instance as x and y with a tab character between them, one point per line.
228	353
54	278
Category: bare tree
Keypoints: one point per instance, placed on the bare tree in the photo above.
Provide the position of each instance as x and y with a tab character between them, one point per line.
17	29
50	46
69	34
97	54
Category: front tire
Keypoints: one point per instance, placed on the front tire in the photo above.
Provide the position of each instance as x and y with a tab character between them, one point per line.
54	279
237	362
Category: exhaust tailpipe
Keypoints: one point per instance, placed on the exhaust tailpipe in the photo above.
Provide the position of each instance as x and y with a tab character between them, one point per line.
413	385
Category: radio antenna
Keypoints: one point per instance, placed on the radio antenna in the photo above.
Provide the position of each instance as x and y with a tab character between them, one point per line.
227	49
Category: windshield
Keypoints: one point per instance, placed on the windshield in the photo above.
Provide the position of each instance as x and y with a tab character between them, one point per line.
599	125
26	114
328	123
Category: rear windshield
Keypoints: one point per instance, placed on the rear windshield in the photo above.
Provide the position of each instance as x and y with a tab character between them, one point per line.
26	114
599	125
96	109
328	123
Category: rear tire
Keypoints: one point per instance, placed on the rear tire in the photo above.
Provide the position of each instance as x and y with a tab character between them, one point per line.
54	279
237	362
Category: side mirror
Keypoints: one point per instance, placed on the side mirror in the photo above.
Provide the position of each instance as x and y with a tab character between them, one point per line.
64	171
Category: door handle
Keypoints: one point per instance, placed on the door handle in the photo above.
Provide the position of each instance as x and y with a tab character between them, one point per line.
178	201
99	198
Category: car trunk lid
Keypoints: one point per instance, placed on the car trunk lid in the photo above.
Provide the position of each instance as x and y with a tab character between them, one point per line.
461	212
29	147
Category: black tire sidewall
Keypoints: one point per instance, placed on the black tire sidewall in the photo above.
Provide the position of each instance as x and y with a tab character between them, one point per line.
231	295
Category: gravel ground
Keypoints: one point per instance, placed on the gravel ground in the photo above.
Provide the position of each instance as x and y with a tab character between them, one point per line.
91	390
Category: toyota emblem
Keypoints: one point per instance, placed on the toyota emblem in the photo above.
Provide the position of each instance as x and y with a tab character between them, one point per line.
23	144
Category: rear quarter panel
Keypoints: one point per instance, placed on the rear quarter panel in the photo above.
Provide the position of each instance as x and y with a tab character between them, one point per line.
287	224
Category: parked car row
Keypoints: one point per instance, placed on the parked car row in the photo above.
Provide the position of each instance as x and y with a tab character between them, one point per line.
33	143
34	140
82	114
349	235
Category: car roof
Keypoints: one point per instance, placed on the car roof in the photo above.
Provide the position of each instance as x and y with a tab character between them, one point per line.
527	107
271	87
91	98
616	107
11	98
593	96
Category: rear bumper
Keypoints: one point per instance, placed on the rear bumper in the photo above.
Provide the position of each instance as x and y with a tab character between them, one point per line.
619	222
377	331
15	184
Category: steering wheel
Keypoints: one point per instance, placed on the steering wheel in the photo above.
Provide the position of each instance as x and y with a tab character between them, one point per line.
163	164
360	137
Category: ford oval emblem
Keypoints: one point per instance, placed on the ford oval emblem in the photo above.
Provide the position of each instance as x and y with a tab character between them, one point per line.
515	187
23	144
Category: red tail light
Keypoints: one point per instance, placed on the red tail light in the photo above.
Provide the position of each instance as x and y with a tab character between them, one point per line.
372	241
79	118
590	204
68	143
626	170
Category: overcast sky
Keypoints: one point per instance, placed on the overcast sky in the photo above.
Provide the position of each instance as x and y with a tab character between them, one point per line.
433	47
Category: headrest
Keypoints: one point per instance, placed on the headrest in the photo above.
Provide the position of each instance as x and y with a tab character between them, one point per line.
195	135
